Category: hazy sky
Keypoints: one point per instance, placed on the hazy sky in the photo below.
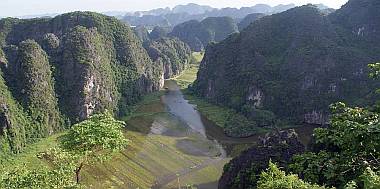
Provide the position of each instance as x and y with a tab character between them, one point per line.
31	7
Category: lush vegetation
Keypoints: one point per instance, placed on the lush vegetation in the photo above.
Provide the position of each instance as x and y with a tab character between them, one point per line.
289	67
172	54
344	155
198	34
274	178
159	32
86	143
233	123
347	149
21	177
249	19
190	74
93	140
61	70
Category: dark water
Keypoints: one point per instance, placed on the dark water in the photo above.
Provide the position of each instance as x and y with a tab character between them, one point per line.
181	108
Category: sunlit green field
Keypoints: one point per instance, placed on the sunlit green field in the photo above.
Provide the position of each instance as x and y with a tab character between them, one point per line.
149	159
190	74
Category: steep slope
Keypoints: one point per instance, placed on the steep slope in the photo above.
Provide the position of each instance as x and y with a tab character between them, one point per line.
142	33
249	19
31	82
87	69
88	61
361	18
294	64
13	122
173	54
244	171
159	32
199	34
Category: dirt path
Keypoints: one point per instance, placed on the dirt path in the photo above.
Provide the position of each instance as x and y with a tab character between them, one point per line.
163	181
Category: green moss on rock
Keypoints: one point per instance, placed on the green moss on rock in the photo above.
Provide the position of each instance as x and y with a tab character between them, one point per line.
13	122
173	54
88	61
89	84
290	66
32	84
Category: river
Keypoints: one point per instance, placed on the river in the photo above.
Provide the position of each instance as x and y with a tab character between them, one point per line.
173	144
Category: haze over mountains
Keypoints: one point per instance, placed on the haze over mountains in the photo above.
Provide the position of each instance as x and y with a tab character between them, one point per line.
170	17
197	87
181	13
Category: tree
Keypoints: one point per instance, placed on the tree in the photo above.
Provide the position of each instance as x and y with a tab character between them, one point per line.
274	178
93	140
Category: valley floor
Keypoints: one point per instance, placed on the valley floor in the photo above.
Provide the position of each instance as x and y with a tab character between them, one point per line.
166	148
164	152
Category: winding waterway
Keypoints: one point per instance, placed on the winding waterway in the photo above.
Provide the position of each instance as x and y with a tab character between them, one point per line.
173	144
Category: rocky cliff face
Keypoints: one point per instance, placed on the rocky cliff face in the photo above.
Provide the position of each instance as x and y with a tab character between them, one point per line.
294	64
244	170
173	54
67	68
198	34
87	72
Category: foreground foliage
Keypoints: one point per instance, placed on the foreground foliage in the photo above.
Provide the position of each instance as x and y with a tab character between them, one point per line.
42	178
274	178
345	150
93	140
86	143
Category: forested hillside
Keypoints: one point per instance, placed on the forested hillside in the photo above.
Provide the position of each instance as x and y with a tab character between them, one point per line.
249	19
291	66
58	71
173	54
198	34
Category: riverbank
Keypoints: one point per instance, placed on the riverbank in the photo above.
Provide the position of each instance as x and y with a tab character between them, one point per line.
217	114
161	151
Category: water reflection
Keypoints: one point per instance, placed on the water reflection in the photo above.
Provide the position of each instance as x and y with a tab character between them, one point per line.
179	107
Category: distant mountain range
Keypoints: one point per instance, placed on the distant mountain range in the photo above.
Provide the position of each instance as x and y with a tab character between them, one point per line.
170	17
167	17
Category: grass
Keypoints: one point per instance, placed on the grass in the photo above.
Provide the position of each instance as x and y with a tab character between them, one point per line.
188	76
215	113
29	157
148	156
201	176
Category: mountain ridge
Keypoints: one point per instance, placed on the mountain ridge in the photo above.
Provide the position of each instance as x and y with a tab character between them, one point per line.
298	78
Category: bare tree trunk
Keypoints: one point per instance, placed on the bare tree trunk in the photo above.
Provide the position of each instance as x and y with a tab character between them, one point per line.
77	172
